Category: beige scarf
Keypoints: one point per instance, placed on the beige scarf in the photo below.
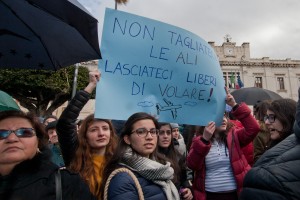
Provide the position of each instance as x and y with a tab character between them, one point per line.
158	173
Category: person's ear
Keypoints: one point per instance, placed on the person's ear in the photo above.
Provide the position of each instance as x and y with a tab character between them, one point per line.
126	139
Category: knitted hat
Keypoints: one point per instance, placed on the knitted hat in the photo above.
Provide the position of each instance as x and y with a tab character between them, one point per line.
174	125
51	125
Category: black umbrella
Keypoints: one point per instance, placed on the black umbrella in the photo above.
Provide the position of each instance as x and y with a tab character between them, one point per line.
253	94
46	34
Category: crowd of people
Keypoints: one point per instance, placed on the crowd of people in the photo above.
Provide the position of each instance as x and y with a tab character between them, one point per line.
249	156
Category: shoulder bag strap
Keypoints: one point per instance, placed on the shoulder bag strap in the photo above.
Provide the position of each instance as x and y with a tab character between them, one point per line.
131	174
58	188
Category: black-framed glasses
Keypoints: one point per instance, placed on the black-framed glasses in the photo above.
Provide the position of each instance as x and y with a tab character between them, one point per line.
143	132
21	133
163	132
270	117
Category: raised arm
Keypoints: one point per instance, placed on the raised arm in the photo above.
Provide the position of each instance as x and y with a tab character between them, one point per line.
243	114
66	126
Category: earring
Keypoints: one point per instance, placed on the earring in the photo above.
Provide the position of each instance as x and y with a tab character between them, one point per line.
38	151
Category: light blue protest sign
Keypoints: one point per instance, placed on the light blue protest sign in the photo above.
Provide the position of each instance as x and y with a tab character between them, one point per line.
150	66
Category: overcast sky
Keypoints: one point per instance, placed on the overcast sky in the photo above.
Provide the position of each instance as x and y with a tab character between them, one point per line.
272	27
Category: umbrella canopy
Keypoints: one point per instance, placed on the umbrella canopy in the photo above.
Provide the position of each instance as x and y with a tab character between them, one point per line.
253	94
46	34
7	102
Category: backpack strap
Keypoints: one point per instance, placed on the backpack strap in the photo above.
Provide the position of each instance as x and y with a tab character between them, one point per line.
58	186
131	174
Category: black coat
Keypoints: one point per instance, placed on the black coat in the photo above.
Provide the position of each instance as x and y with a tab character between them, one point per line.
276	174
35	180
66	126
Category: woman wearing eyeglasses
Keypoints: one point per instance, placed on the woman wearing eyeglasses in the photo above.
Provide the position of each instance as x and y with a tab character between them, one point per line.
276	173
26	170
182	175
280	119
137	152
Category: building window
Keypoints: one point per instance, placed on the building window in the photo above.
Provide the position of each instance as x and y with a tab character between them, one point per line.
280	81
258	82
230	79
298	82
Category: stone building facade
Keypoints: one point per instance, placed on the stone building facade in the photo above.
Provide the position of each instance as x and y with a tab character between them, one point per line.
280	76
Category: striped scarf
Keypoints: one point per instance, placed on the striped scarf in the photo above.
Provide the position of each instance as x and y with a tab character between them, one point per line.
158	173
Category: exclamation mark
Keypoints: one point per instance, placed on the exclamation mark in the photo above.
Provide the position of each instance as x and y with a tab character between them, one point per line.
211	91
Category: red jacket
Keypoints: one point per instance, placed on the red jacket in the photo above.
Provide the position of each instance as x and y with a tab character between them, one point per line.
236	139
248	150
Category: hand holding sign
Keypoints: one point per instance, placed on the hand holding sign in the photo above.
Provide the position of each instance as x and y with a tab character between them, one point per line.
209	130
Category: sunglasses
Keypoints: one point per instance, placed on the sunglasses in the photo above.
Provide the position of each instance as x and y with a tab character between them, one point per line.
270	117
143	132
163	132
20	133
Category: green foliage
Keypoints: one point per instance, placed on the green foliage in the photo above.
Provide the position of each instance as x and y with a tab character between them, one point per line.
42	91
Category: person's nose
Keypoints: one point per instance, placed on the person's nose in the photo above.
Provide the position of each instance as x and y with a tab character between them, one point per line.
100	132
149	136
12	137
267	122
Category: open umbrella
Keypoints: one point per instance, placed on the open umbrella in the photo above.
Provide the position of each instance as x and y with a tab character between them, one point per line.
7	102
46	34
251	95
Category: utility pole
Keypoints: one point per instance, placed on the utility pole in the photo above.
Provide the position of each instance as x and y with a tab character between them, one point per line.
75	80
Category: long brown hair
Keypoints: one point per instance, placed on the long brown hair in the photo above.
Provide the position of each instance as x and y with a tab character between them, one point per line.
82	163
192	131
122	146
172	155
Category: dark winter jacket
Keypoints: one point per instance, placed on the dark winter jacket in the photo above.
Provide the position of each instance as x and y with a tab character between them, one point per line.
276	174
35	180
66	127
236	138
122	187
